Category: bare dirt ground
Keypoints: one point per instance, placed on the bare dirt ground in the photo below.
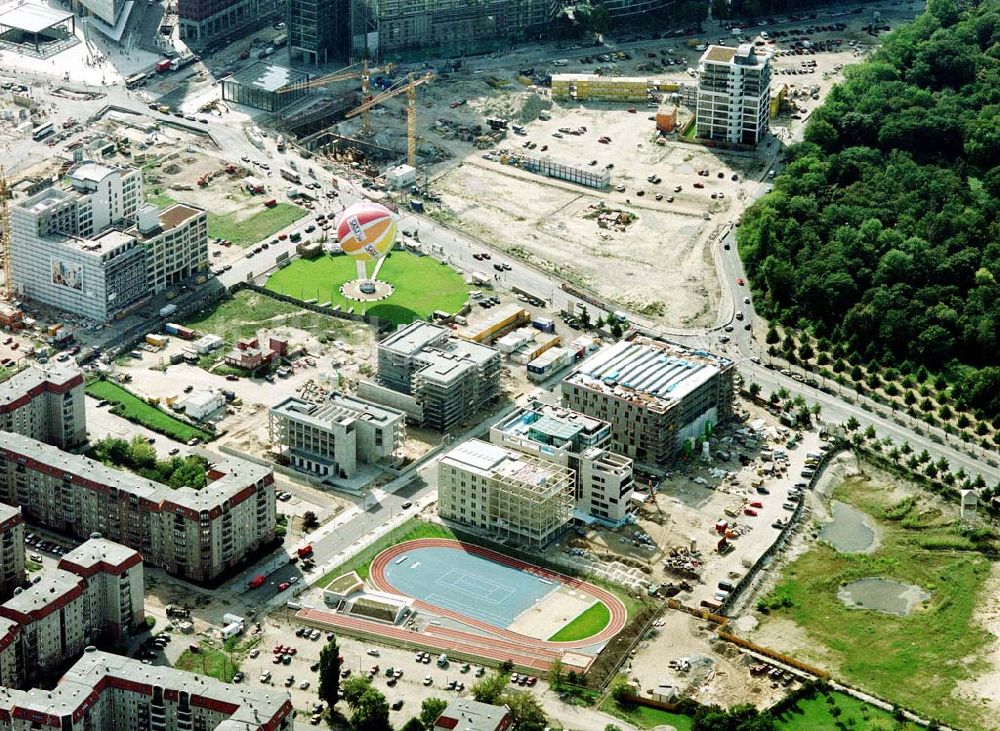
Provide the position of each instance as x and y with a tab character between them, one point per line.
553	612
984	690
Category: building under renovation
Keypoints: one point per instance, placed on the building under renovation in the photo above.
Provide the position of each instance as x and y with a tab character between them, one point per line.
444	28
656	395
506	494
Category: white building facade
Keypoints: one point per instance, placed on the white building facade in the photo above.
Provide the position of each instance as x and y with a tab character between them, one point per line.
734	95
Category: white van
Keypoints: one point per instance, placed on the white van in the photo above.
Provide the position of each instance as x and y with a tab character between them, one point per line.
560	62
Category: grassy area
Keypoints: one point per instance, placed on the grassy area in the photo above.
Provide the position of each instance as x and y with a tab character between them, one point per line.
818	714
243	230
136	410
246	312
644	717
422	285
590	621
408	531
208	661
915	661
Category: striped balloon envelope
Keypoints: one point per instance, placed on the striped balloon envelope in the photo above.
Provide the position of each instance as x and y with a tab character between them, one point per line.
366	230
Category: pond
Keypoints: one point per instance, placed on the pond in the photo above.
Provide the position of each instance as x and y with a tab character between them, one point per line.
849	531
882	595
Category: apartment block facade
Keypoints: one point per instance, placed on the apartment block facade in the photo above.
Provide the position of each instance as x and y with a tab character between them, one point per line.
46	404
654	394
450	379
734	95
333	438
505	494
195	534
175	241
11	550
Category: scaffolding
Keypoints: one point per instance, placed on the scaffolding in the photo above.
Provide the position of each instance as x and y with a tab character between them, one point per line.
531	500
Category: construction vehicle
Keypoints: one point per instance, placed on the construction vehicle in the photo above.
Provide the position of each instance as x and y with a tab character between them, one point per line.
409	87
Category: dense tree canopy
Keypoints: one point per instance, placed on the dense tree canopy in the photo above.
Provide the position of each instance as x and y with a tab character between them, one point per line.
883	232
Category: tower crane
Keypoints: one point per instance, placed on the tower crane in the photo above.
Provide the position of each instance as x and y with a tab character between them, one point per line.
350	72
409	87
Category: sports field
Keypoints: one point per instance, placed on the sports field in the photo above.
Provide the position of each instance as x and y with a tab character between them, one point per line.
421	284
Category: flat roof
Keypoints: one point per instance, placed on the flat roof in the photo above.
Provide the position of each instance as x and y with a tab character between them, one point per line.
413	338
23	382
341	408
33	18
88	170
7	512
50	589
651	369
487	460
468	715
268	76
97	550
719	54
177	214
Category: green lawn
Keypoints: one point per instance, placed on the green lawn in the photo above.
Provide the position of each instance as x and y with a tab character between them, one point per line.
246	312
918	660
817	714
242	230
133	408
591	621
422	285
208	661
408	531
644	717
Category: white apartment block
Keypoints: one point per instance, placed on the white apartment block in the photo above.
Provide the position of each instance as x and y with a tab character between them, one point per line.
505	494
194	534
176	243
11	550
333	438
603	480
106	692
106	195
46	404
734	94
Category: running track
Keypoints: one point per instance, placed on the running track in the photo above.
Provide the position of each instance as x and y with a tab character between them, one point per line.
491	642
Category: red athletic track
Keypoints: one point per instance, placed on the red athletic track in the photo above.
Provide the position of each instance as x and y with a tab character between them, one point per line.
613	603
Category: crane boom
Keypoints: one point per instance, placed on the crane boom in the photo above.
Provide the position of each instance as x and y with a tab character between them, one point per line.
408	87
343	75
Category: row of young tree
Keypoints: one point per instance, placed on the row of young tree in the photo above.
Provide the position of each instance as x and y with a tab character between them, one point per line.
369	709
139	456
883	232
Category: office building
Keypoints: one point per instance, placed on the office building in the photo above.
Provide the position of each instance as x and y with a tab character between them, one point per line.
333	438
46	404
195	534
734	94
203	20
11	550
176	243
602	479
655	394
449	379
318	30
385	28
106	692
464	714
506	494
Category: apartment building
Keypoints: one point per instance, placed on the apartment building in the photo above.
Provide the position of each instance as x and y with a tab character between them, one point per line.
85	248
448	378
11	658
655	395
46	404
334	438
106	692
115	589
195	534
603	480
734	94
505	494
11	550
176	243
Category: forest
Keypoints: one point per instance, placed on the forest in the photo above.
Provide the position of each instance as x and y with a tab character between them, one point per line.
882	233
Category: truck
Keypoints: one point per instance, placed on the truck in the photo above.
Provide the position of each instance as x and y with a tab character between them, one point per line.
479	278
163	66
175	63
257	581
305	550
281	143
168	310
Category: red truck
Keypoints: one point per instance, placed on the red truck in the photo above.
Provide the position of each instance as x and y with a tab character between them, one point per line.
257	581
162	66
306	550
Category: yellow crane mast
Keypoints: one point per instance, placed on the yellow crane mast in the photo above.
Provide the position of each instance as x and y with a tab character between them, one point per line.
408	87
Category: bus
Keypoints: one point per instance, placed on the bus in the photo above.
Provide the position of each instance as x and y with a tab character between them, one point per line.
135	80
42	131
291	175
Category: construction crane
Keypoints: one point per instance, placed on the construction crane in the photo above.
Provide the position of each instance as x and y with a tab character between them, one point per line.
350	72
8	274
409	87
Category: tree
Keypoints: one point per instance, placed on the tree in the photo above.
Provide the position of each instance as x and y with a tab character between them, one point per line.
555	673
490	689
584	318
371	713
506	668
525	710
309	521
616	329
852	424
622	691
353	688
772	337
430	710
329	673
806	352
924	457
414	724
754	389
870	432
600	19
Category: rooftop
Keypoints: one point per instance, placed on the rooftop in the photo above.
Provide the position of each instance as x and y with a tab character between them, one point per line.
96	551
40	599
464	714
268	76
33	18
719	54
413	338
91	172
488	460
650	370
31	378
177	214
235	475
340	408
555	422
7	512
